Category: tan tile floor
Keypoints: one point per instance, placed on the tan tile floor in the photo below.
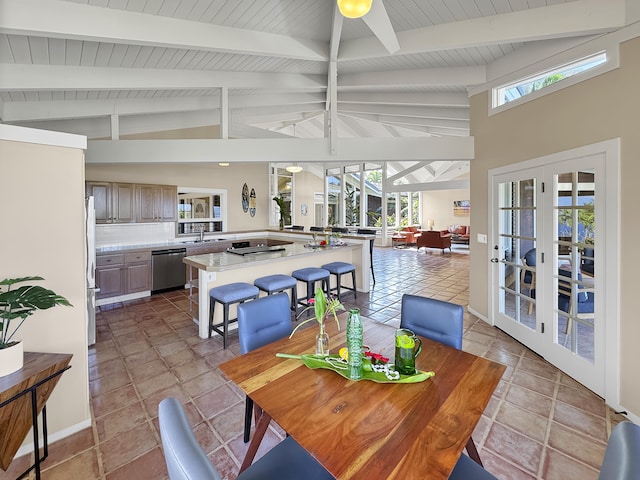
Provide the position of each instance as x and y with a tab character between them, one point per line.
539	424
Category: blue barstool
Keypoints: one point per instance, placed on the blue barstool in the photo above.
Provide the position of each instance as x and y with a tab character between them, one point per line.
279	283
342	268
238	292
310	276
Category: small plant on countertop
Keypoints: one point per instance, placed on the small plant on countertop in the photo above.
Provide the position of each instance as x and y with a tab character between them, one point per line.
20	303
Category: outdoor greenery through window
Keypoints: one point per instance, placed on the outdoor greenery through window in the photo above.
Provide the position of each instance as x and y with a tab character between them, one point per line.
355	199
283	188
526	86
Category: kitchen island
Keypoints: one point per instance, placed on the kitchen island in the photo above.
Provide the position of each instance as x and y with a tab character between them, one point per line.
215	269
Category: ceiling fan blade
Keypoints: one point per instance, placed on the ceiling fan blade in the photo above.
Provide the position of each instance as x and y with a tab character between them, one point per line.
378	21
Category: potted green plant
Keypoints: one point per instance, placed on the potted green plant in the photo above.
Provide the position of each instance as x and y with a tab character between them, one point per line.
323	308
284	211
15	306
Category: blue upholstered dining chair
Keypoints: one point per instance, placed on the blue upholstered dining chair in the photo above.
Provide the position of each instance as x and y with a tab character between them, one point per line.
433	319
621	458
439	321
260	322
528	276
186	460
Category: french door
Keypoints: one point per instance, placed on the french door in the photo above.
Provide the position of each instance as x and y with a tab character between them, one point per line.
548	262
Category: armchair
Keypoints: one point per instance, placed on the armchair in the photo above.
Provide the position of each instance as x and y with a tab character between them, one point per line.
434	239
411	234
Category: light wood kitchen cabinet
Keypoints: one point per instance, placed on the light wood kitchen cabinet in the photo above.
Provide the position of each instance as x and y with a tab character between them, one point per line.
156	203
110	277
114	202
101	192
128	203
123	201
138	272
122	274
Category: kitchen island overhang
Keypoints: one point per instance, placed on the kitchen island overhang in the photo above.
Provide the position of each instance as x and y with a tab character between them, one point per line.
214	269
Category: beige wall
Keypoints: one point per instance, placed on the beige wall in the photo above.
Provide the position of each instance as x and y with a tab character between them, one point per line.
438	205
43	233
211	175
601	108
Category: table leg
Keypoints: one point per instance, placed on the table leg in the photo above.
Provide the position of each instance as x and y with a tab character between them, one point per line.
261	428
473	451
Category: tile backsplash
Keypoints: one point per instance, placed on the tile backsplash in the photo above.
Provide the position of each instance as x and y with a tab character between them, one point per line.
135	234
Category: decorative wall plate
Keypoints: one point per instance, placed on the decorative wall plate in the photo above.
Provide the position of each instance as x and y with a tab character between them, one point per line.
252	203
245	198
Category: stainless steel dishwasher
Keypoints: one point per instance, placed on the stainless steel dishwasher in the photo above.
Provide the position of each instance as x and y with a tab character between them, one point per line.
168	272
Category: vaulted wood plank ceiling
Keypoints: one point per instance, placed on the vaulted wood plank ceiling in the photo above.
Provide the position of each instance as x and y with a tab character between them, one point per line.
285	65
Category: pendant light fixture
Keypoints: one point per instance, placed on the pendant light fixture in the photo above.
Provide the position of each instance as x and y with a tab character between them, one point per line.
354	8
295	168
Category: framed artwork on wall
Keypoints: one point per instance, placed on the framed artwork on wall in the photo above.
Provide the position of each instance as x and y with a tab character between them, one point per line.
461	207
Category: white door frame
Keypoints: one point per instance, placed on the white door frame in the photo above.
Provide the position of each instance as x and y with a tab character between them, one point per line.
608	230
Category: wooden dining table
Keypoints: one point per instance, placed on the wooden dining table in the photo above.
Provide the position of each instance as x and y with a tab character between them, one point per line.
363	429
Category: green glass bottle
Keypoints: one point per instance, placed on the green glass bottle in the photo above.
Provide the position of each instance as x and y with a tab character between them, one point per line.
354	343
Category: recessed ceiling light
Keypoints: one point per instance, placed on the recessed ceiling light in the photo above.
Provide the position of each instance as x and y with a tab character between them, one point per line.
223	164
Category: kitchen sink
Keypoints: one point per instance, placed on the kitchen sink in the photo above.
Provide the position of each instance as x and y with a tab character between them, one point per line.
213	240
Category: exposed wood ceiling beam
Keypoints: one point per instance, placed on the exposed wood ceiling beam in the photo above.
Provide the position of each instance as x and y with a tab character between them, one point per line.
414	77
407	171
407	122
578	18
58	109
58	19
281	150
456	113
68	77
59	77
444	99
378	21
429	186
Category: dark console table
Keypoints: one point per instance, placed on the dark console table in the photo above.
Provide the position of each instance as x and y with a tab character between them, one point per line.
23	395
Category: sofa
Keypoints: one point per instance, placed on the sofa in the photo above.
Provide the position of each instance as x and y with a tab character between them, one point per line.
434	239
460	233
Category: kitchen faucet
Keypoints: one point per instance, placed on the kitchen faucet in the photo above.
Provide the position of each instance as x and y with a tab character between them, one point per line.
202	233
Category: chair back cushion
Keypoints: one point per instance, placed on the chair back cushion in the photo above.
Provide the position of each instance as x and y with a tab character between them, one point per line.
183	455
263	321
622	456
530	257
433	319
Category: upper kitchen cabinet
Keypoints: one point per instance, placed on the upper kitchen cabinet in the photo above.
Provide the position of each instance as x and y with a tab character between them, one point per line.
156	203
114	202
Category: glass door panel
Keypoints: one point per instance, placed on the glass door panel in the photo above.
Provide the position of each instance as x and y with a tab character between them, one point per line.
516	256
574	279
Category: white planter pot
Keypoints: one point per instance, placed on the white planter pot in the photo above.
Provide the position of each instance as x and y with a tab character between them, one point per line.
11	359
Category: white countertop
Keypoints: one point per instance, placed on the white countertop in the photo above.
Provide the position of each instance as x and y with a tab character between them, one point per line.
219	262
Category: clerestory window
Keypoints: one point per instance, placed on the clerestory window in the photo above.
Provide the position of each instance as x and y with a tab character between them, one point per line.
515	91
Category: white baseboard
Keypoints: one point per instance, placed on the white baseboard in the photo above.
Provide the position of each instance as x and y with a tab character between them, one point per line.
59	435
123	298
630	416
479	315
